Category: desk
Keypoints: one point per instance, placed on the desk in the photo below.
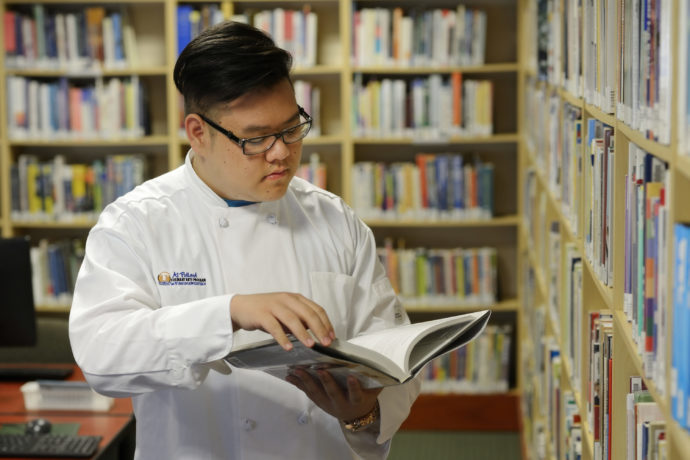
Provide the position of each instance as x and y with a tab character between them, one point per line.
115	426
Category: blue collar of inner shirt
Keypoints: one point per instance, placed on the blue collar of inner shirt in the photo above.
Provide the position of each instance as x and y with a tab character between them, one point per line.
238	203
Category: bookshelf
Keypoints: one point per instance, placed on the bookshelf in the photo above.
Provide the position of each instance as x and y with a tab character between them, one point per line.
338	145
544	75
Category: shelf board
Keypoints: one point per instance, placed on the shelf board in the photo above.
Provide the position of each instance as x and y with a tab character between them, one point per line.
504	305
46	224
410	70
661	151
316	70
606	292
92	142
680	438
492	139
570	98
61	309
76	73
683	165
600	115
625	327
480	412
503	221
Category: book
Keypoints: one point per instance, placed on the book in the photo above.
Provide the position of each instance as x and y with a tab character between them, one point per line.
387	357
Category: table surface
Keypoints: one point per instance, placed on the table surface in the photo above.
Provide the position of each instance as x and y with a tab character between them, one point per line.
108	424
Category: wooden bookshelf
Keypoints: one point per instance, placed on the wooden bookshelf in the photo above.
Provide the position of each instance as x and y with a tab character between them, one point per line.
596	295
340	147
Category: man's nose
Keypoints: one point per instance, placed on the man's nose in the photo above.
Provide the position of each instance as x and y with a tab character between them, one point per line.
278	151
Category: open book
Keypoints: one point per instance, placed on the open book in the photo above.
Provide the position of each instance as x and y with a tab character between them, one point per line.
386	357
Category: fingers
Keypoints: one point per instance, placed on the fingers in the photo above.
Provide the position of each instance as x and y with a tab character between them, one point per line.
311	315
354	390
281	313
273	327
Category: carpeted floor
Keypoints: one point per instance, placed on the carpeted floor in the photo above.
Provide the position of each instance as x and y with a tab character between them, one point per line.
455	445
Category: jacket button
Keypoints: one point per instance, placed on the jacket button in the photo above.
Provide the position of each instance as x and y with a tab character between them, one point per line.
303	419
223	222
248	424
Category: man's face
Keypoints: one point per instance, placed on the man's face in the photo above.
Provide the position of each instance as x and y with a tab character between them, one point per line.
220	162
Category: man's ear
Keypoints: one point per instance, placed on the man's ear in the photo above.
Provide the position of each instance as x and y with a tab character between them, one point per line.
197	132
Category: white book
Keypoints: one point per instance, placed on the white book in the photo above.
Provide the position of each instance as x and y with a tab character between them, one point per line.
385	357
316	110
61	39
311	39
108	43
129	41
45	104
34	109
72	47
278	30
406	41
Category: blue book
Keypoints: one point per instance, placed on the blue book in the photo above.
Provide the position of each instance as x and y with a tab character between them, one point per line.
680	295
442	173
18	35
184	27
486	185
54	109
457	181
51	37
116	19
684	361
54	269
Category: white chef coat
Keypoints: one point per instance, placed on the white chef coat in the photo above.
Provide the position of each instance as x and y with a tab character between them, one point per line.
151	307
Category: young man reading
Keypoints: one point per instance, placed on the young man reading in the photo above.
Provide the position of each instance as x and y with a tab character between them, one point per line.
224	250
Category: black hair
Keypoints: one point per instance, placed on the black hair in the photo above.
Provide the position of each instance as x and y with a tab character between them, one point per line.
227	61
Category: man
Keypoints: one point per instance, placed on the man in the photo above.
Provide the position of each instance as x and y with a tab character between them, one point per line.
221	251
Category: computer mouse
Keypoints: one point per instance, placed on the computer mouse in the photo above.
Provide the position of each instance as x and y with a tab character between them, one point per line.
38	426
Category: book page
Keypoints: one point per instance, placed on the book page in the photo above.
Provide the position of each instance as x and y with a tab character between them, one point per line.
397	343
273	359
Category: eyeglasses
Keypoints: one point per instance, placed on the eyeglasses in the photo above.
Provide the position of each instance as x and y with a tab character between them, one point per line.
257	145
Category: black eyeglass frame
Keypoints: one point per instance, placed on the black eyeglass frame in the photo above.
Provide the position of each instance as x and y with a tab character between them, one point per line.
242	141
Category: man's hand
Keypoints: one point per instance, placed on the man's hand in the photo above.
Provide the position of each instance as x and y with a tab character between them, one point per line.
280	313
342	403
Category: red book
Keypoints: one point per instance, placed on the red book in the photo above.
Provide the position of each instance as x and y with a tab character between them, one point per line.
10	32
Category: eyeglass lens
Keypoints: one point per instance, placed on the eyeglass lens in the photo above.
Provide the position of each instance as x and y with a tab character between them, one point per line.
261	144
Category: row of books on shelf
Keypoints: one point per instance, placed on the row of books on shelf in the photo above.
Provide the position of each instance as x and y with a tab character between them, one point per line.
680	340
55	190
440	276
598	186
645	295
423	108
435	186
481	366
433	37
54	268
578	171
193	19
93	39
293	30
65	109
313	171
617	57
683	87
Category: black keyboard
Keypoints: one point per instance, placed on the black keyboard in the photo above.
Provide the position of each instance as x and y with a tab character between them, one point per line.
28	373
47	445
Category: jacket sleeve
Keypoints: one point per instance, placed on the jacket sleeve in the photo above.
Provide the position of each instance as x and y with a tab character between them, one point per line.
377	307
124	342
